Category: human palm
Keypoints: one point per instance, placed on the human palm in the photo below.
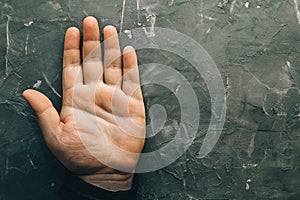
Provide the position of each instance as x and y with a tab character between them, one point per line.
101	128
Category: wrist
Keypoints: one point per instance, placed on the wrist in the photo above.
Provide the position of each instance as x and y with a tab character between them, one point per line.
76	188
110	181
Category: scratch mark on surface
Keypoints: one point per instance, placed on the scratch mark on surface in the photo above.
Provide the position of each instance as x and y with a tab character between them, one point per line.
30	161
69	8
297	10
60	19
138	12
8	6
280	110
129	33
55	6
150	17
173	174
228	87
247	4
85	13
248	184
264	106
122	16
191	196
208	18
249	166
26	44
294	74
18	169
201	12
171	3
28	24
232	6
37	84
6	167
258	81
7	44
50	85
282	26
251	145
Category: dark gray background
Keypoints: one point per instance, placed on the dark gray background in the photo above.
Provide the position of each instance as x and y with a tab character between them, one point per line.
256	47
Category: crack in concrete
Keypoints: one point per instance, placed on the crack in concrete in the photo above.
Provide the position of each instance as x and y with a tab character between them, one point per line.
7	46
297	10
50	85
122	16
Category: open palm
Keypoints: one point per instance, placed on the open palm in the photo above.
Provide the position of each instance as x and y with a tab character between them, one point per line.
101	128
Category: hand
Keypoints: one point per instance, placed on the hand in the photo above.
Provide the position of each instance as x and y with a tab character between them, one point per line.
87	136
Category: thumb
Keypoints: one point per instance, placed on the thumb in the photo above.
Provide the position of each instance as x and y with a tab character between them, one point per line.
48	117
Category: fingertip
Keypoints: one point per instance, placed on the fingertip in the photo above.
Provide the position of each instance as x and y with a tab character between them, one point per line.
47	115
72	30
110	30
24	93
72	38
89	20
89	23
27	93
72	33
91	29
38	101
129	56
111	39
128	49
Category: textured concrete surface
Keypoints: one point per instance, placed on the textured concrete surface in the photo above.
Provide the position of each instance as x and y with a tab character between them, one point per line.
256	46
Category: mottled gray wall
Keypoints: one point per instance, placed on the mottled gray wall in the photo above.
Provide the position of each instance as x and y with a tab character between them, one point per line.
256	47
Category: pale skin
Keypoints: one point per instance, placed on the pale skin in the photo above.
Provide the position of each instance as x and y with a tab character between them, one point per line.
64	135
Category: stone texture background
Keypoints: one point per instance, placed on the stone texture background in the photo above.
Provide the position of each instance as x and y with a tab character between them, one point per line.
256	46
